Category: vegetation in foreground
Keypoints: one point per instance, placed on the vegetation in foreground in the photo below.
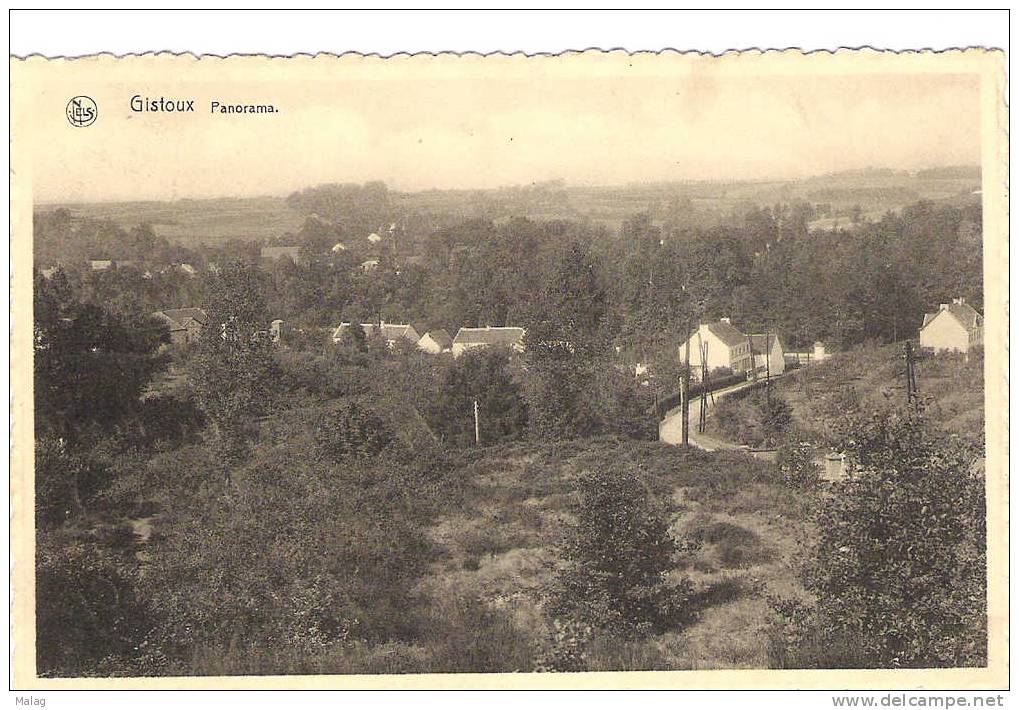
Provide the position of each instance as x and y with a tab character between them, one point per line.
233	507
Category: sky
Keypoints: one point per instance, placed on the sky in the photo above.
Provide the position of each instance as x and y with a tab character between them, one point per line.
484	132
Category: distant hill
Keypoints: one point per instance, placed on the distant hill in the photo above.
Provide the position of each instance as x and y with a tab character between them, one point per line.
868	193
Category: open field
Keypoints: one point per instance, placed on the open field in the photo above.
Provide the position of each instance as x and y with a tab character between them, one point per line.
214	221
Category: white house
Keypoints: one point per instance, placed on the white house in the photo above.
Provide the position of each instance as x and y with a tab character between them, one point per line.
955	327
718	344
369	265
391	332
435	341
769	355
374	238
339	246
467	338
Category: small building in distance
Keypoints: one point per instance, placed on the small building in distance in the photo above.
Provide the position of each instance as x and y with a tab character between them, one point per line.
185	324
390	332
719	344
955	327
102	264
769	355
374	238
508	336
273	254
436	341
369	265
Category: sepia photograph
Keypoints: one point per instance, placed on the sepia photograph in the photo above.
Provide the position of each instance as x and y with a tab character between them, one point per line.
349	367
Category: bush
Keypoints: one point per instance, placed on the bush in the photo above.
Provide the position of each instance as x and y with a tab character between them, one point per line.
89	619
480	375
796	462
899	568
352	431
776	416
615	559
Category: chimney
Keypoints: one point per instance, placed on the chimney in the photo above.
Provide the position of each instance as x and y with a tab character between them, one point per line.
943	307
959	301
726	320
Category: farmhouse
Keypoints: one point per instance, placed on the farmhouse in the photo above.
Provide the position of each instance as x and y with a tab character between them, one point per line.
369	265
435	341
955	327
102	264
718	344
390	332
185	324
467	338
769	355
273	254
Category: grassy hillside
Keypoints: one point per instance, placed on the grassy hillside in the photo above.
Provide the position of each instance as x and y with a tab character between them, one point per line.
866	378
492	549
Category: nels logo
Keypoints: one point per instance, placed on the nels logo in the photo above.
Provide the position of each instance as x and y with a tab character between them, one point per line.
82	111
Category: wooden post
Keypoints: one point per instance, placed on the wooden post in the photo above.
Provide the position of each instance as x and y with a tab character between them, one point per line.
477	425
684	388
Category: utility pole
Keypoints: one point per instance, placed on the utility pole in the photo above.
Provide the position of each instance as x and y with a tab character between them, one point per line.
684	389
767	364
911	393
477	425
702	418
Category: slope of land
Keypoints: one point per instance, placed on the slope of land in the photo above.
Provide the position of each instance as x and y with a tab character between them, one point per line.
867	378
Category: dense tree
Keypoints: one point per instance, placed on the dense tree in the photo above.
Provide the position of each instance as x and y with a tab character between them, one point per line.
90	365
232	371
481	375
616	557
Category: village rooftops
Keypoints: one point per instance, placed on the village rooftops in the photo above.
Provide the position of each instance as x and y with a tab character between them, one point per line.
967	316
391	332
724	331
762	341
441	338
180	316
489	335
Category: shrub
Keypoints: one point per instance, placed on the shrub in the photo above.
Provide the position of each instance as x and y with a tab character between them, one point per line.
616	556
89	619
480	375
796	462
776	416
352	431
899	568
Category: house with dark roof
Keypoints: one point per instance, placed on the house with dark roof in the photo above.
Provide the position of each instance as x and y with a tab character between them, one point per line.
954	327
435	341
719	344
508	337
769	355
185	324
390	332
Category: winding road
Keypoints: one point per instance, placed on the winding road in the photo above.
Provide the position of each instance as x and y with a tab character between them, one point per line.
670	429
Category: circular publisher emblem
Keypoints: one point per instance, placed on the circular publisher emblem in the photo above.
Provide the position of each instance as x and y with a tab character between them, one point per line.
82	111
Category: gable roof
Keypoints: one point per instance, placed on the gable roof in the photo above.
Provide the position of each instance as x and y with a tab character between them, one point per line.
178	317
966	315
760	341
390	331
489	335
440	337
726	333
